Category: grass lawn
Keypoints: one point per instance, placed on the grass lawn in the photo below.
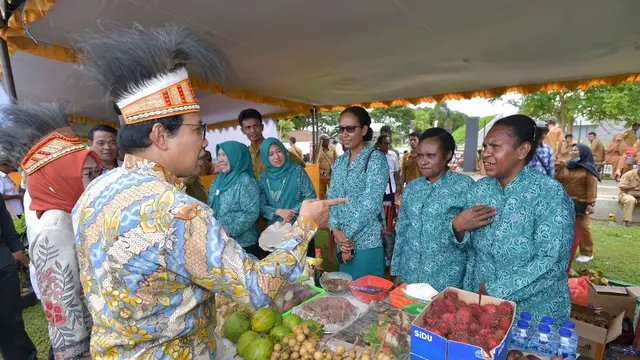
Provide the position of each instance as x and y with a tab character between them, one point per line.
460	133
616	250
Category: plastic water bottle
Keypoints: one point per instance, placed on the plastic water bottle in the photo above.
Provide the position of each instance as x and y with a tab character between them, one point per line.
575	338
566	348
526	316
540	344
520	339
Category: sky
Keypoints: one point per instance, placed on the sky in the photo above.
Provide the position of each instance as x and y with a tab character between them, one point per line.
482	107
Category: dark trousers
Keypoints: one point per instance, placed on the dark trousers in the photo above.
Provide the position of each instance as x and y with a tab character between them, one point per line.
15	344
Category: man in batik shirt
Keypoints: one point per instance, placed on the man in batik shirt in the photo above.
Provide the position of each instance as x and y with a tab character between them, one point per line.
151	256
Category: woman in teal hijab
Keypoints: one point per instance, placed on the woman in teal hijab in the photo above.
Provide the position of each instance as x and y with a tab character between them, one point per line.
284	186
234	196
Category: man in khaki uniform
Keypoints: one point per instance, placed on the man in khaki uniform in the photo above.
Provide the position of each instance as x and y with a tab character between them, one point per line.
326	158
409	167
629	193
597	148
294	148
555	135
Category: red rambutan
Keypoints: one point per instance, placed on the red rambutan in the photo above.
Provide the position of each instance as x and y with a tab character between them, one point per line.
492	343
448	318
475	309
490	308
463	315
504	324
487	320
505	308
450	295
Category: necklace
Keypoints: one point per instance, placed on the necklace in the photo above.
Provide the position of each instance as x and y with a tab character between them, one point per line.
275	195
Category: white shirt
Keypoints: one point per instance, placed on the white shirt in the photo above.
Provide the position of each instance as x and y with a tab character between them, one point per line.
394	167
7	187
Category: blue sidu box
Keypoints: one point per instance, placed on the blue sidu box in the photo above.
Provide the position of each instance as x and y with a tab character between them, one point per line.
426	345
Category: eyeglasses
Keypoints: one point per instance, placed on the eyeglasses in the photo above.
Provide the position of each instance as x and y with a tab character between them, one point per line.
348	129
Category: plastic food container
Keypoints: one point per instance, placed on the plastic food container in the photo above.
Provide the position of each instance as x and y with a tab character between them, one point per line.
335	282
374	281
318	293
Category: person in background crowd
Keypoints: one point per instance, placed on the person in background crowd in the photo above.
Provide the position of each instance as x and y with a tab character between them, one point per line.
631	136
564	148
283	187
294	148
103	140
252	127
579	177
11	196
152	296
636	151
361	175
326	158
543	158
629	195
616	156
518	226
426	250
410	167
480	164
394	185
234	196
206	164
15	343
597	149
386	130
58	169
555	135
337	147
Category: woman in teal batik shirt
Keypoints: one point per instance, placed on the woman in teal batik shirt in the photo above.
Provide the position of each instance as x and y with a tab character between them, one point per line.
234	196
361	175
283	186
518	227
425	249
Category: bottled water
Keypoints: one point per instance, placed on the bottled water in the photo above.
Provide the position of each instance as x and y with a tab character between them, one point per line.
525	315
566	348
540	344
568	324
520	338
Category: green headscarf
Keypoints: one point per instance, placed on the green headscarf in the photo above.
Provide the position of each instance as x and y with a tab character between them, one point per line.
239	164
281	186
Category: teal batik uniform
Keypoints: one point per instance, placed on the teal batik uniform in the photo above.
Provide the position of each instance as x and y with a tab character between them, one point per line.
282	188
360	219
524	254
426	250
235	196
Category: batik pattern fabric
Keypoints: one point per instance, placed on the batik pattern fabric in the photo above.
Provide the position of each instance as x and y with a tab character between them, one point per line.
523	256
53	256
542	160
304	191
151	259
426	250
239	210
360	219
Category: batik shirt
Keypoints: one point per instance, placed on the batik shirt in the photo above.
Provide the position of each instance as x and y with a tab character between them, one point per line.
425	249
542	161
524	254
239	210
360	219
151	259
304	191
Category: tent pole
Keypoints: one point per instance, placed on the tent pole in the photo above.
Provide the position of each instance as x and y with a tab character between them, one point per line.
7	73
314	133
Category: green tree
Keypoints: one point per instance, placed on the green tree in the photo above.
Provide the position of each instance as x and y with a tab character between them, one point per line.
398	117
619	102
285	126
422	121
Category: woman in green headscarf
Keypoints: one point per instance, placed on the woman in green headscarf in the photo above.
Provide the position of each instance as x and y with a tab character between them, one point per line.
234	196
283	186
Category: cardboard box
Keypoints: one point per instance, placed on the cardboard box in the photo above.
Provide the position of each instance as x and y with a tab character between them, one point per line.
614	299
430	346
594	338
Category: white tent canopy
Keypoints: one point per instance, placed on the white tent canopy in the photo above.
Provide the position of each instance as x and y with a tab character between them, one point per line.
334	52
